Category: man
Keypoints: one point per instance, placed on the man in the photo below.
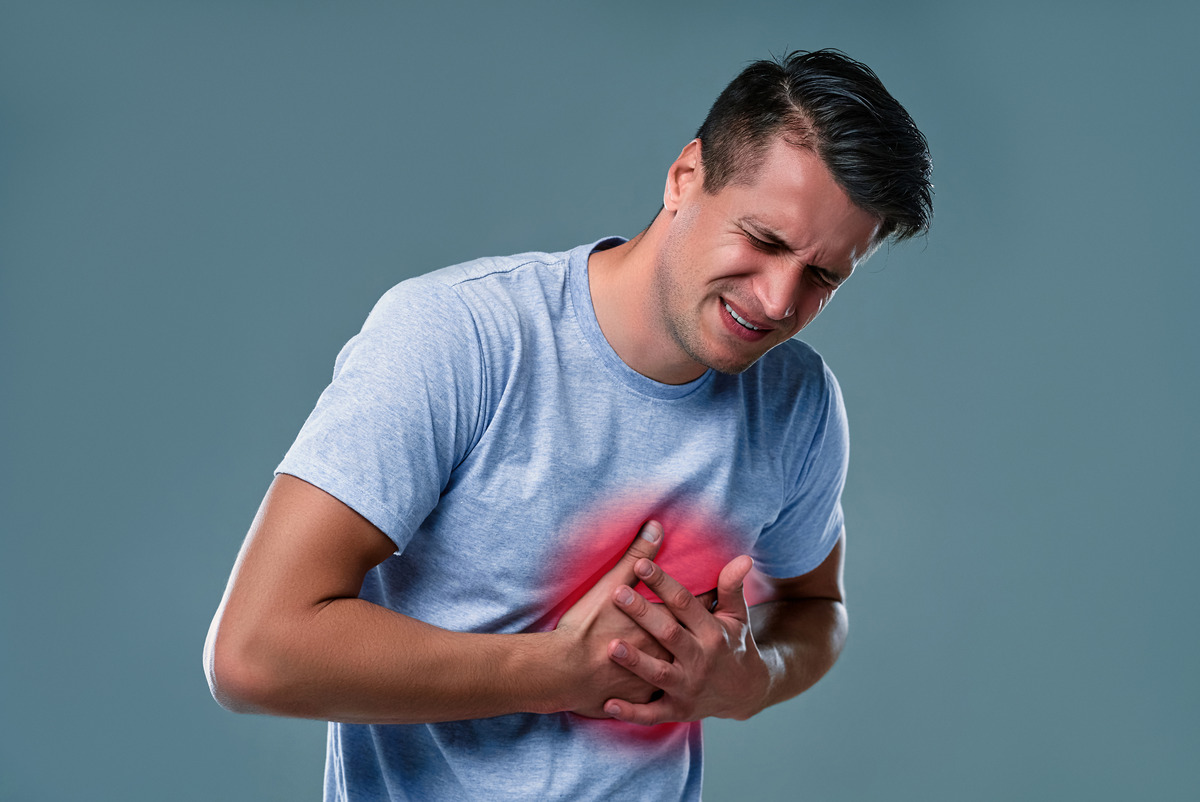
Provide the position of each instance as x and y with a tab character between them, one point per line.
445	563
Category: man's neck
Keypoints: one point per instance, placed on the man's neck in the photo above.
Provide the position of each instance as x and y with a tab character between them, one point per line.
621	281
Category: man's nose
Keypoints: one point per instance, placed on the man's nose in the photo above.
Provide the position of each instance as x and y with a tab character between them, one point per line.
778	287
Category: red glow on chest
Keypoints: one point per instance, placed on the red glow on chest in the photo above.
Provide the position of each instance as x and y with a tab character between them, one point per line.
695	547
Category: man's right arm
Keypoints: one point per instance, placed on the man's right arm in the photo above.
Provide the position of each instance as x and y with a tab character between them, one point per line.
292	638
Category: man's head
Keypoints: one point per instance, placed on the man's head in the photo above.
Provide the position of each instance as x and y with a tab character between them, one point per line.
741	270
836	107
800	171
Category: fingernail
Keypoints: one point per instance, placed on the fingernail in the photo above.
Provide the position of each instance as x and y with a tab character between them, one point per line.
643	569
612	709
620	652
652	531
624	596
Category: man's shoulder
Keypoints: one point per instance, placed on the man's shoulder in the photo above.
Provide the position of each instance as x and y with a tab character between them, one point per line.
473	286
792	375
493	270
795	360
796	353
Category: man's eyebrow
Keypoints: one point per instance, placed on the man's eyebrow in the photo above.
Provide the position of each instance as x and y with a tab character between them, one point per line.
769	235
764	232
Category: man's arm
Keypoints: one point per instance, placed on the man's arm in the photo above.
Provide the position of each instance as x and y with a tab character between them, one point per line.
292	638
734	661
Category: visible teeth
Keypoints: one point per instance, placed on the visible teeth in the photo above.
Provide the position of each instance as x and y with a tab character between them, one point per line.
739	319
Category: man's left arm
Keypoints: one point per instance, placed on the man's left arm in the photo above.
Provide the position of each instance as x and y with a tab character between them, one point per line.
732	661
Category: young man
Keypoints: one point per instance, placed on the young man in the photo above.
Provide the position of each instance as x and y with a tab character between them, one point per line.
445	563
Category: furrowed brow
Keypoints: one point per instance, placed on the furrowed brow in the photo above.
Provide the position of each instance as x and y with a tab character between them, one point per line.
764	232
767	234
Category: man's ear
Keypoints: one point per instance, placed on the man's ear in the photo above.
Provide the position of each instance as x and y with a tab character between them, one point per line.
686	174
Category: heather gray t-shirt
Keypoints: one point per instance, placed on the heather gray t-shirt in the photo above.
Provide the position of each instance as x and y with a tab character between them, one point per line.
483	423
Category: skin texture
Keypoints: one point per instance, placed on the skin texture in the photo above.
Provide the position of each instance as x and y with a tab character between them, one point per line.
291	637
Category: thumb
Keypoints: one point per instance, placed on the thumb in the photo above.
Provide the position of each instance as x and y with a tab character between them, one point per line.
731	596
644	545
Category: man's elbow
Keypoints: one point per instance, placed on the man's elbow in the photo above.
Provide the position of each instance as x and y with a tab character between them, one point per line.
236	680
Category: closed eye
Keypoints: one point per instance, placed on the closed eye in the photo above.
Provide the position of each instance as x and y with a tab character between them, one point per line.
820	275
762	244
823	278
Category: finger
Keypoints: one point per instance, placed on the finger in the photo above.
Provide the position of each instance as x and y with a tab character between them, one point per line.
659	673
692	613
648	714
731	588
659	622
645	545
708	599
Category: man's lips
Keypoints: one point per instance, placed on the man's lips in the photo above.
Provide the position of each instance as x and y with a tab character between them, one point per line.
744	320
748	330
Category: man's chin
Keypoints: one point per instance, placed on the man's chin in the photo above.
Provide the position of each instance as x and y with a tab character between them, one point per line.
730	361
733	369
730	365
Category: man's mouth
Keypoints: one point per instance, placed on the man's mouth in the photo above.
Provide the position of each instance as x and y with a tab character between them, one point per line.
740	319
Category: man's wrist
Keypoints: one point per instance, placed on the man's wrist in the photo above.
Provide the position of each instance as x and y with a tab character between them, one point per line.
539	666
765	668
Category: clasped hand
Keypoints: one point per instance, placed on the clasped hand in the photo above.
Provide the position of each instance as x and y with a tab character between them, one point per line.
681	660
714	669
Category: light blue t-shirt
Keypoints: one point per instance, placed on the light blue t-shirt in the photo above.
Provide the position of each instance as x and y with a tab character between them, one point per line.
483	423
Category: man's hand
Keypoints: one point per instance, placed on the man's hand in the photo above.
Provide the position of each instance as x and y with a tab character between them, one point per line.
593	623
714	667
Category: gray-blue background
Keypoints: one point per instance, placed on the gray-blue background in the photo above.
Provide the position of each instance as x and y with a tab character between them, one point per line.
200	201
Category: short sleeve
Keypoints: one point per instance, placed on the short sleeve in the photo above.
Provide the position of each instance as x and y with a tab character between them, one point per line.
401	412
811	521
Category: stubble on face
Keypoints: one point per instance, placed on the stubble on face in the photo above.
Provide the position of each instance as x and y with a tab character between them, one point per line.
681	315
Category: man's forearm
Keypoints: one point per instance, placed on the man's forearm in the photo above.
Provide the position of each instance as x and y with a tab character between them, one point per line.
799	640
286	647
354	661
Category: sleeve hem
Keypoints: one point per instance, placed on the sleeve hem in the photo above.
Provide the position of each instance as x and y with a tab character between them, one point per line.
811	560
351	495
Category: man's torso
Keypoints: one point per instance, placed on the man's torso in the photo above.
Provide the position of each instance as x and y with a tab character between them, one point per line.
482	422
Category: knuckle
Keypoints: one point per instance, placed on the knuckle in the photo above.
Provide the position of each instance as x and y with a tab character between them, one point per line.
679	597
672	633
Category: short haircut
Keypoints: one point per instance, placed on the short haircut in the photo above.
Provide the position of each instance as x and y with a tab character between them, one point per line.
837	107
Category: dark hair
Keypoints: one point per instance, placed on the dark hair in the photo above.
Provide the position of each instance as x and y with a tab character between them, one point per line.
837	107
